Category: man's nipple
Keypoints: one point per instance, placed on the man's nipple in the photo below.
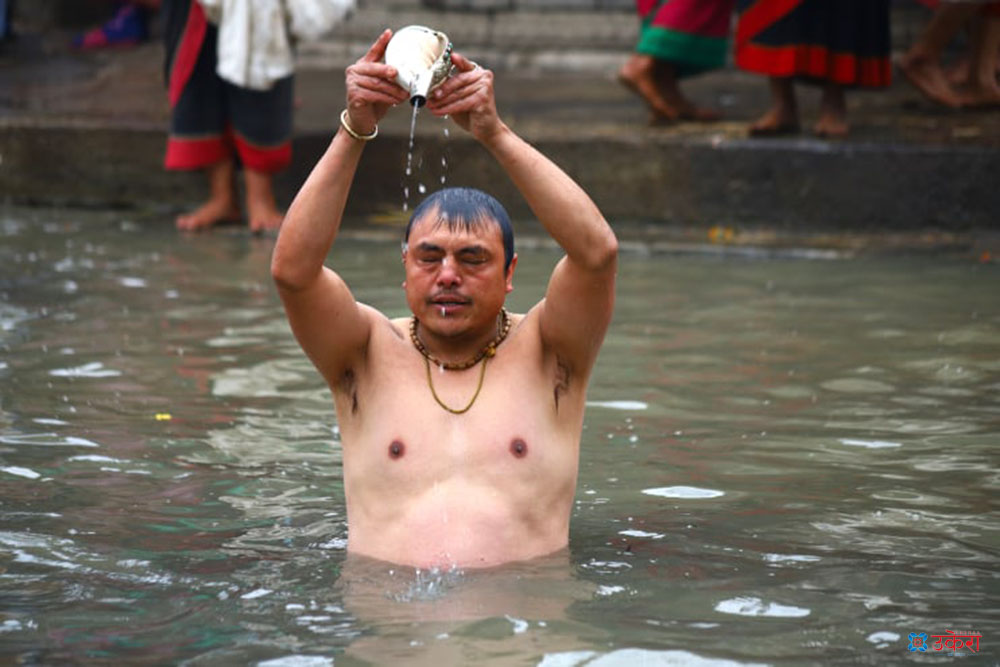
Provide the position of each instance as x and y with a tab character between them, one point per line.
396	450
519	448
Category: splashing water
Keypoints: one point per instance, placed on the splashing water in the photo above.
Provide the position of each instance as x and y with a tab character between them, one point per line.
444	159
409	157
410	168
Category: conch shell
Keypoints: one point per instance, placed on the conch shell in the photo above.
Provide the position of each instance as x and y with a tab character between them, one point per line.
422	58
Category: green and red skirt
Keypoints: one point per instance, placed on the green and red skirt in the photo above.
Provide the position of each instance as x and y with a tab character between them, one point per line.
693	35
843	41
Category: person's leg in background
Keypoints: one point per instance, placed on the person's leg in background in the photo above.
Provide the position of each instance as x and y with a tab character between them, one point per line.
199	138
921	64
677	38
981	89
261	122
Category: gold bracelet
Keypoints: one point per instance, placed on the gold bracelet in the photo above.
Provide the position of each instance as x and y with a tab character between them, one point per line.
350	130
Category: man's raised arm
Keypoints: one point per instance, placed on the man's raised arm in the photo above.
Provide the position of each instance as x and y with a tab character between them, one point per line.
327	322
580	296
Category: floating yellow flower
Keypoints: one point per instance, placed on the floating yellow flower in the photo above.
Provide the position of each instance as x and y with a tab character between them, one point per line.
720	234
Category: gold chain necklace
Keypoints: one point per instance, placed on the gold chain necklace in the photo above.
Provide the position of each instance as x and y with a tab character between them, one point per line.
484	355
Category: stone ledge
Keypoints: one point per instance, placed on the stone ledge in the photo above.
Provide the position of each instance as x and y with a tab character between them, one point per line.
784	186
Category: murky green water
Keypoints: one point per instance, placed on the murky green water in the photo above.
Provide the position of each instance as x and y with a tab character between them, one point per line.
784	462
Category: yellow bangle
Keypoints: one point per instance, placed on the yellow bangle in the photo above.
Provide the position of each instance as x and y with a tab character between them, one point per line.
350	130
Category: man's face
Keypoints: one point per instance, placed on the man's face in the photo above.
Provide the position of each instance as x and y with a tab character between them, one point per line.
455	280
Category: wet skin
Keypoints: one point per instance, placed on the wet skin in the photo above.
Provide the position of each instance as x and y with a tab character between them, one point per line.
430	488
425	486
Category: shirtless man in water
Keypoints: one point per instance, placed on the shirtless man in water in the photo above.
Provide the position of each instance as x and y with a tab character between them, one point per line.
461	425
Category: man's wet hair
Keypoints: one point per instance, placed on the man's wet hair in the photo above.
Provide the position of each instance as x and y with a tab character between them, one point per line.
466	209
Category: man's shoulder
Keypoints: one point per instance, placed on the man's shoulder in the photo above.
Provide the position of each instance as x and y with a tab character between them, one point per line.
383	324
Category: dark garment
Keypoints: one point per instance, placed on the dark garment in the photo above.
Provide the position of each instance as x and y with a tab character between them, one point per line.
841	41
212	119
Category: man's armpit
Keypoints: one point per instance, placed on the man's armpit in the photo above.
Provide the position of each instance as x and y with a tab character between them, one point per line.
562	378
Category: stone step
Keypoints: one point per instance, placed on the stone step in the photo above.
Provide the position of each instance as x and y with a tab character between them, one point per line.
509	40
525	35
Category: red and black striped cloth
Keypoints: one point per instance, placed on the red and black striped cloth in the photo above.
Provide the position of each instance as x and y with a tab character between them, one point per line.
211	119
841	41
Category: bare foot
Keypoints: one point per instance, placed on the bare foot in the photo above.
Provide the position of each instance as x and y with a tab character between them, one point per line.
665	75
687	112
980	97
927	76
700	114
775	122
221	205
261	208
831	126
638	75
209	214
832	121
783	116
959	73
265	218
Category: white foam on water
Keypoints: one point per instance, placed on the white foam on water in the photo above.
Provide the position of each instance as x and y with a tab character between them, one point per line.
94	369
45	440
520	625
790	558
24	557
752	606
298	661
619	405
858	386
633	657
566	658
132	281
605	591
869	444
253	595
686	492
21	472
49	422
304	620
882	637
95	458
613	564
641	533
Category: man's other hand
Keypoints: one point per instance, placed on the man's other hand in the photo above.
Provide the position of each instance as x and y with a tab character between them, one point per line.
371	87
467	96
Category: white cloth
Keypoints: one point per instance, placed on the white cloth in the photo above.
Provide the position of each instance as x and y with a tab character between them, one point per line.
254	48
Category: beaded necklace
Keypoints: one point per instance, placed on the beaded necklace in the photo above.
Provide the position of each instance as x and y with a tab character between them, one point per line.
483	355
